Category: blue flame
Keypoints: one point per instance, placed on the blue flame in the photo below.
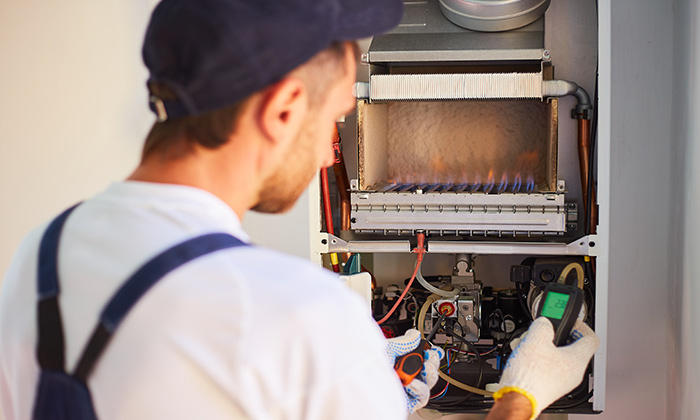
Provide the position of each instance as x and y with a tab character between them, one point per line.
530	184
477	184
517	183
504	184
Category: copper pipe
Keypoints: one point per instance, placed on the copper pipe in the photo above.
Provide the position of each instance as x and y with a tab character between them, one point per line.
584	146
343	184
341	179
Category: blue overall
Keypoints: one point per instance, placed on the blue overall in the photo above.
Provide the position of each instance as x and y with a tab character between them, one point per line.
64	396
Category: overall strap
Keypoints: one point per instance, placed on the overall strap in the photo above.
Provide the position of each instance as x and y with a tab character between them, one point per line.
50	348
138	284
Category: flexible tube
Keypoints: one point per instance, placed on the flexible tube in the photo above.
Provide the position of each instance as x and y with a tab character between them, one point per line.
420	250
421	324
579	274
451	293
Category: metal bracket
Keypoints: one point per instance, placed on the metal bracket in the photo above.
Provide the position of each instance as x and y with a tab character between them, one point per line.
583	246
332	243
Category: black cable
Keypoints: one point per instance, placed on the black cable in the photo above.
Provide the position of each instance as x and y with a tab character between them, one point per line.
517	333
589	187
572	404
461	403
588	266
471	347
432	333
520	288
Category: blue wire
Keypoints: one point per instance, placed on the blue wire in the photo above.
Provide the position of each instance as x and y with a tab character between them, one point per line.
444	391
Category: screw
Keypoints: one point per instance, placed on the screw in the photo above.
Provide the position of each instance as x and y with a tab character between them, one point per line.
324	241
353	220
469	318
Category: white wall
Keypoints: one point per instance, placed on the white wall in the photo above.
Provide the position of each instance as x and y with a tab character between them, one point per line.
73	109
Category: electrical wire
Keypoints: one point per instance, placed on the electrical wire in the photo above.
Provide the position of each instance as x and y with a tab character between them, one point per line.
420	250
471	347
457	350
436	327
442	393
572	404
588	263
421	325
520	289
589	221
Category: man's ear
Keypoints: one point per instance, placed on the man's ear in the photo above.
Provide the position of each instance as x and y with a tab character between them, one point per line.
283	109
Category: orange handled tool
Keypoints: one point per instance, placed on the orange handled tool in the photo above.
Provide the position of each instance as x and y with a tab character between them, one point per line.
410	364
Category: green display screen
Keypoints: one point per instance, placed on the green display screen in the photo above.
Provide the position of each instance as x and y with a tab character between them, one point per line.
554	305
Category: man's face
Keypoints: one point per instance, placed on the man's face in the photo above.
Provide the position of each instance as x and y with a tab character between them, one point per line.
313	147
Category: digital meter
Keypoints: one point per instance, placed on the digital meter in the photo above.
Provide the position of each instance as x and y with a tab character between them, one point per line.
561	304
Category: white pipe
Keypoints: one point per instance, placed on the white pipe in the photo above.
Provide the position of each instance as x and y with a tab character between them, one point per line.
445	293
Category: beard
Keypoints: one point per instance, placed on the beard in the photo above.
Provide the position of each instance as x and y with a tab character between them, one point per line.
282	189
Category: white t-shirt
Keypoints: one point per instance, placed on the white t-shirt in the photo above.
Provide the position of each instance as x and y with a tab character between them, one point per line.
243	333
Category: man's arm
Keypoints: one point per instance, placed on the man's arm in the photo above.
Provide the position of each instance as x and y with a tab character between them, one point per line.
512	406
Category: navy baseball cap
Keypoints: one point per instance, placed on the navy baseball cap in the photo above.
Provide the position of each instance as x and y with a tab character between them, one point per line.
214	53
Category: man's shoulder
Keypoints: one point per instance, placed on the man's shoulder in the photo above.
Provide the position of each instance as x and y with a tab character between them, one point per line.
261	274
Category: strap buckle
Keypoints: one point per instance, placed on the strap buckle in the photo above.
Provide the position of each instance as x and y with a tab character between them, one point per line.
159	106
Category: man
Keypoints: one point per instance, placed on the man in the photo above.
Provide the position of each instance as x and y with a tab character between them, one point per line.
247	94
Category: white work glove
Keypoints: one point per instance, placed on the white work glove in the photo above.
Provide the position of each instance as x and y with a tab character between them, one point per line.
543	372
418	391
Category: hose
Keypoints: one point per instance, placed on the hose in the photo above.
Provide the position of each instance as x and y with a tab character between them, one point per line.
420	250
445	293
421	324
579	274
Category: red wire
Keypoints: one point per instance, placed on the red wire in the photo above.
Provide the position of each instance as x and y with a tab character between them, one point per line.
420	250
327	208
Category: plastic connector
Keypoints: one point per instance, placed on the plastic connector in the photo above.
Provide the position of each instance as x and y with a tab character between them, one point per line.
520	273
